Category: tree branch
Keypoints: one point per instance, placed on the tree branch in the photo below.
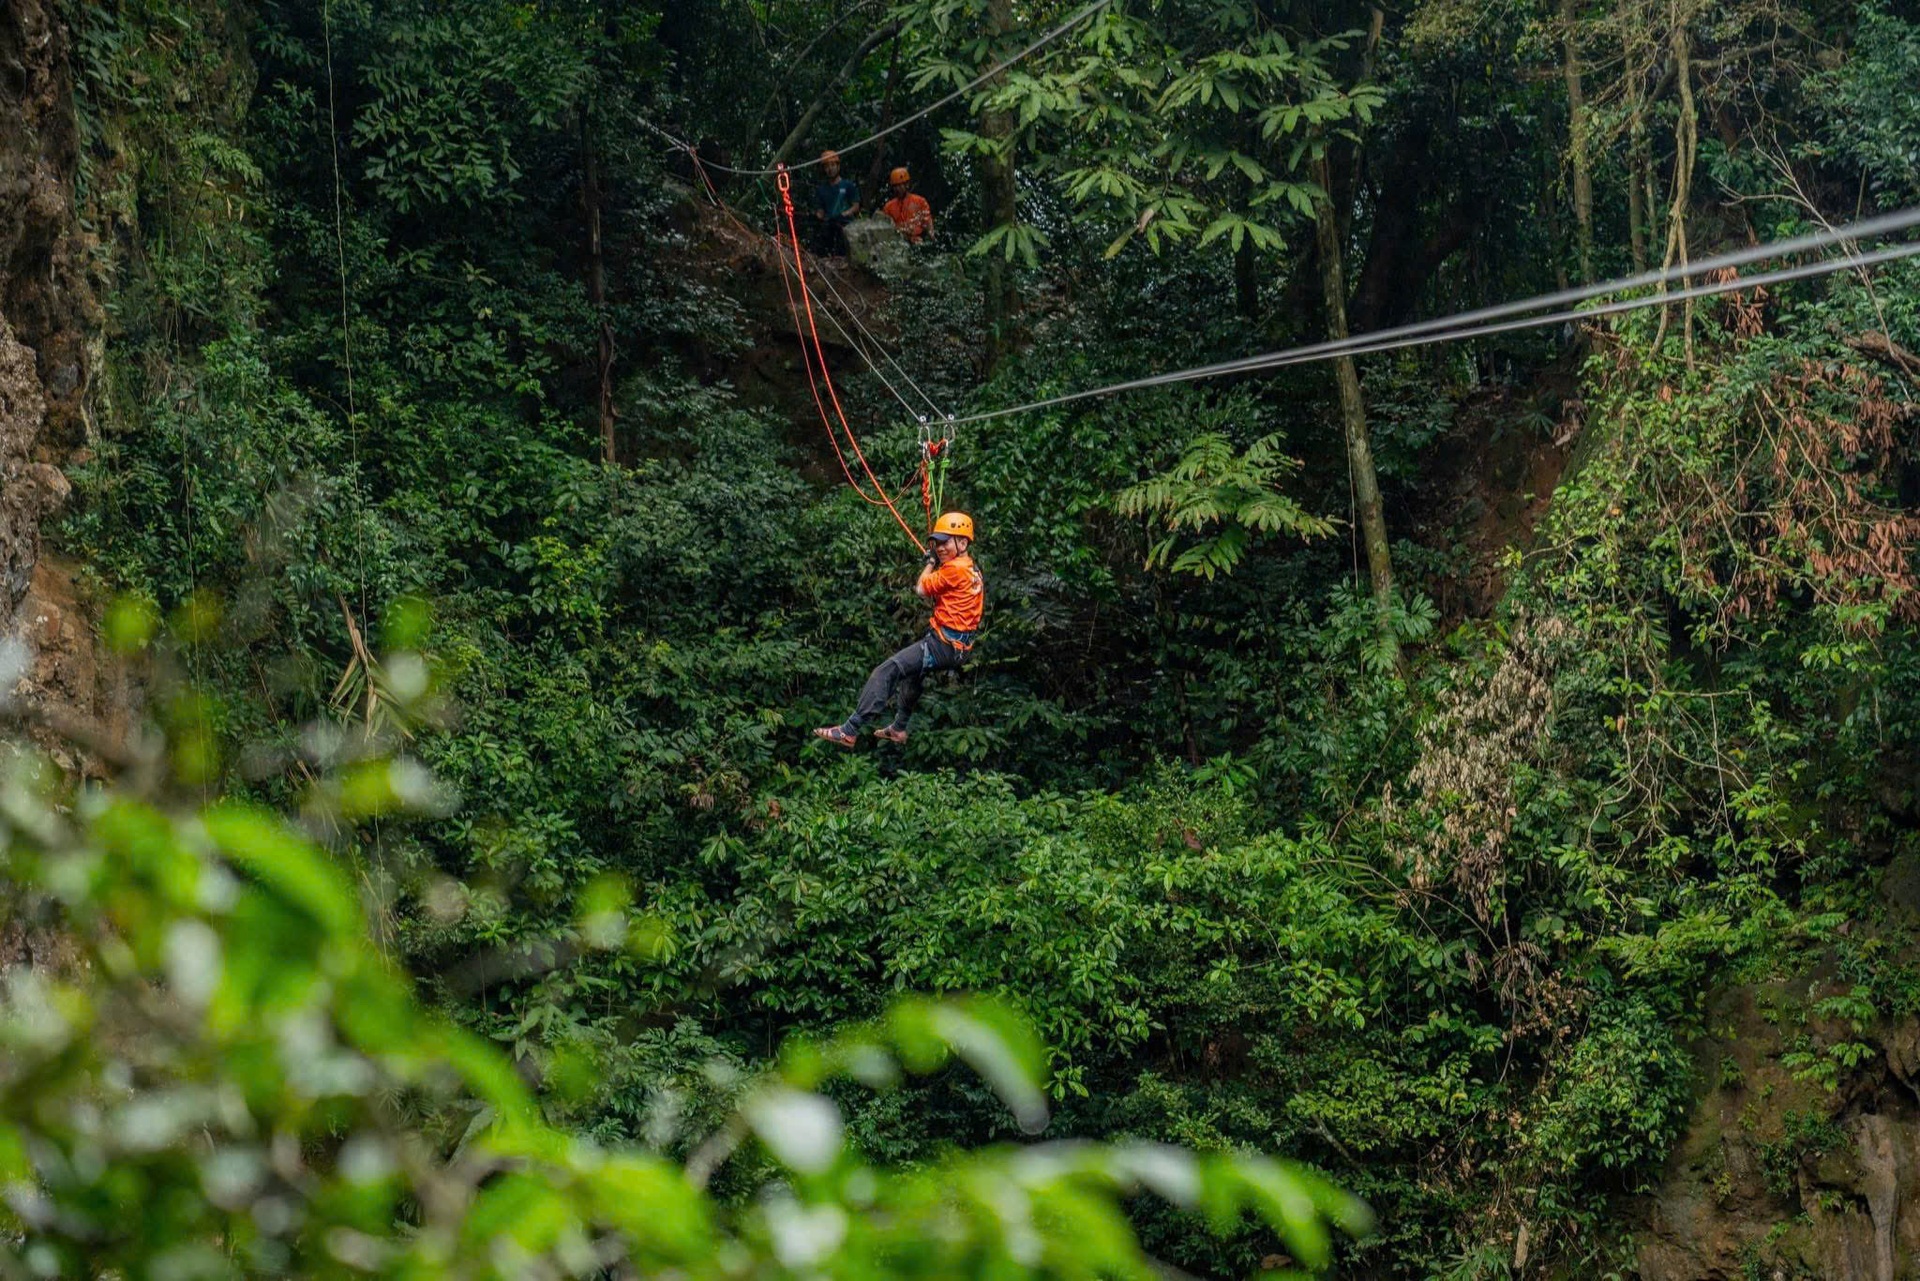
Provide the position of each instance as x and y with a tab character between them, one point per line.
83	732
800	60
874	40
1881	347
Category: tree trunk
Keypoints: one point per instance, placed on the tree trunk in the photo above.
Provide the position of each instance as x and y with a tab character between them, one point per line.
1645	185
997	199
776	96
877	171
1353	413
1579	139
1246	281
1556	234
592	201
874	40
1686	151
1406	245
1636	200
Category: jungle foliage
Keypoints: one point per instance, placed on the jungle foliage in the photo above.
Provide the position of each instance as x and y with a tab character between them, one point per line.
479	780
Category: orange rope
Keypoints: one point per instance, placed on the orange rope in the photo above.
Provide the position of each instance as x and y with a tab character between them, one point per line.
806	358
806	354
817	351
719	202
806	299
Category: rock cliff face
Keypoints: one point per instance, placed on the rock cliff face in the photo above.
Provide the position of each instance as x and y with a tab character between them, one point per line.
49	322
1782	1174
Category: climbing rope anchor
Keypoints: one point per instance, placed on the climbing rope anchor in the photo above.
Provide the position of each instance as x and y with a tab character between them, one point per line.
936	454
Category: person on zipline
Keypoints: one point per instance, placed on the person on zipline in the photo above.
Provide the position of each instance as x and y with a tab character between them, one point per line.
836	202
910	211
952	582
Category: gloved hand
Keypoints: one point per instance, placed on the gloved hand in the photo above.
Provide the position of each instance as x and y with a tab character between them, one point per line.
933	561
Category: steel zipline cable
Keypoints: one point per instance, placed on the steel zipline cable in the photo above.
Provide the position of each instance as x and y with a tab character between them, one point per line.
917	116
937	414
1568	306
1489	321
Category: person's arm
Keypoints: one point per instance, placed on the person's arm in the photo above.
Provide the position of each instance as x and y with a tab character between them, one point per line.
928	585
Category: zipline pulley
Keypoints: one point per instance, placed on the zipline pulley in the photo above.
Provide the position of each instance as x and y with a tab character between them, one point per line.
936	453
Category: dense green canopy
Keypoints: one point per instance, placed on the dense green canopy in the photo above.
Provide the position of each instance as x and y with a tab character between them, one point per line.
1368	775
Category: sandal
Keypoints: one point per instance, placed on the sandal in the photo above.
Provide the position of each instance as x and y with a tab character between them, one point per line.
837	736
892	733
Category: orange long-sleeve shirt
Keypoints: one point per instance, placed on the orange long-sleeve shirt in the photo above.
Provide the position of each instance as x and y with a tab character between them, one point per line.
912	215
958	593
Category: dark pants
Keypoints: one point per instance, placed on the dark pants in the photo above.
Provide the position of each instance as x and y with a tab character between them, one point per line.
902	676
830	238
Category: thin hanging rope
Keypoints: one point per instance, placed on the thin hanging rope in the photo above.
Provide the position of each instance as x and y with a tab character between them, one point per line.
346	328
860	350
878	346
788	277
826	376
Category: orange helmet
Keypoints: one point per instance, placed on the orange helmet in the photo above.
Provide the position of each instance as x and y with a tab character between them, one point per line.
900	176
955	524
829	157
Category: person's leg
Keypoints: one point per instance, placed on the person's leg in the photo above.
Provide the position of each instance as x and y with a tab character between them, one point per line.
907	697
880	686
938	656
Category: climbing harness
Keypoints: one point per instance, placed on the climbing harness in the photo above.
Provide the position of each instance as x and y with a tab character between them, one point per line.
960	642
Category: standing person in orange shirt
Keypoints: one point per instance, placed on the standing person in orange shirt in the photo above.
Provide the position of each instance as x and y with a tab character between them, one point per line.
953	583
910	212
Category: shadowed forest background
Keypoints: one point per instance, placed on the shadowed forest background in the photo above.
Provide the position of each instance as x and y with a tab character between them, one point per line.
1477	781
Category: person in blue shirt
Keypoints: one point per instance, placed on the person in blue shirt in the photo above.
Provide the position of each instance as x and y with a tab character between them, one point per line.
836	202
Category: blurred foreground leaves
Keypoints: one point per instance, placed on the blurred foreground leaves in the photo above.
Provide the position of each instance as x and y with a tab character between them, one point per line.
219	1073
